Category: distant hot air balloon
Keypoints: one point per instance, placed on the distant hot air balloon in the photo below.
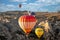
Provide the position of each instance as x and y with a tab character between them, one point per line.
39	32
27	23
20	5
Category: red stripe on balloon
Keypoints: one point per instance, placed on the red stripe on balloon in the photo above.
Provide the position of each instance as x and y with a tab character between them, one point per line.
27	18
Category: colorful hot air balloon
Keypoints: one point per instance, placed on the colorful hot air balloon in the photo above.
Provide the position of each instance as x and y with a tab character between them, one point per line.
27	23
39	32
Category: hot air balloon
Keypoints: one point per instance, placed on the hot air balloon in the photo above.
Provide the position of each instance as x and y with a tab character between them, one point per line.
27	23
20	5
39	32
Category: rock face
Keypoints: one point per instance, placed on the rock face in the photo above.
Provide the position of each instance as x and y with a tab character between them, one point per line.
10	30
5	32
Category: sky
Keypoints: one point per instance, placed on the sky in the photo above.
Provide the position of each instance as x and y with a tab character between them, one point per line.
30	5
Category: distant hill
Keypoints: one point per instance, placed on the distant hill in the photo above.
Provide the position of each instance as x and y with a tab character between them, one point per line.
15	14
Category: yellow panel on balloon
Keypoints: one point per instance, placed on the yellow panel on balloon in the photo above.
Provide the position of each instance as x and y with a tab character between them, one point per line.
39	32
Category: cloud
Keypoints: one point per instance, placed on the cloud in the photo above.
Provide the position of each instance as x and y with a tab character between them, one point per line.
42	7
57	8
29	6
47	2
18	0
24	3
32	7
8	7
58	1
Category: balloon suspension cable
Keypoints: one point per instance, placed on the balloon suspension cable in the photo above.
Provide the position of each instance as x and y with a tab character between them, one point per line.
27	37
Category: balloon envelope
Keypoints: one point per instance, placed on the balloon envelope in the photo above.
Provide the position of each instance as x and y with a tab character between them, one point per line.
27	23
20	5
39	32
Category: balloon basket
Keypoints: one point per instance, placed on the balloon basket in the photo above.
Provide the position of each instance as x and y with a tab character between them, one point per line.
39	39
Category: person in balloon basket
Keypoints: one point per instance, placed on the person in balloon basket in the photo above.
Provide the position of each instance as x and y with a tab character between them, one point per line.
31	13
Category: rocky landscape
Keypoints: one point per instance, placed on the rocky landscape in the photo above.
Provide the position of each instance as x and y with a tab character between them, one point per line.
10	30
